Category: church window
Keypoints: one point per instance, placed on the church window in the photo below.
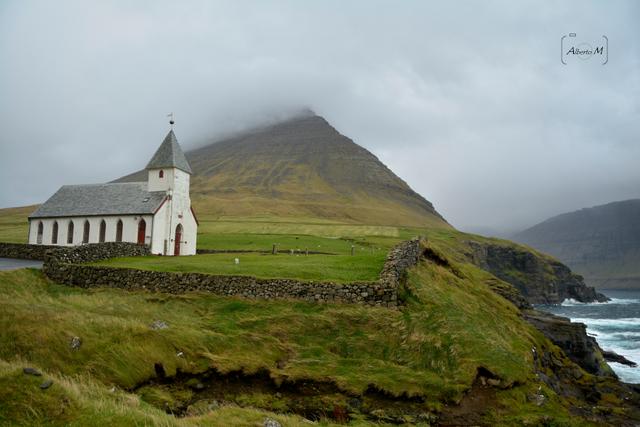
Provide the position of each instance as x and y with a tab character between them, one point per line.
103	231
40	231
85	234
119	231
54	233
70	233
161	174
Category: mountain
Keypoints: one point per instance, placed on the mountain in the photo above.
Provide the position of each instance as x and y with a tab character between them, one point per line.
601	243
301	167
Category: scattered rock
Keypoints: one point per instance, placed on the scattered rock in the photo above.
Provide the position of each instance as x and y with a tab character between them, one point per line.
194	384
32	371
612	356
268	422
45	385
493	382
75	343
537	398
159	324
180	354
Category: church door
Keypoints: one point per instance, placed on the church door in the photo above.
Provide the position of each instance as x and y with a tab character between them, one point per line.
176	249
142	230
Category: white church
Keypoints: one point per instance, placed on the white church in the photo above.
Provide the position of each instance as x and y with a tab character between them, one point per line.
156	213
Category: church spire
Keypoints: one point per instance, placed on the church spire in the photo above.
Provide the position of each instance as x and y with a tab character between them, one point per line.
169	154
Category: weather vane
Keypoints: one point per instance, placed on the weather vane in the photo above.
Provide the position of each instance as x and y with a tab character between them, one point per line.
171	120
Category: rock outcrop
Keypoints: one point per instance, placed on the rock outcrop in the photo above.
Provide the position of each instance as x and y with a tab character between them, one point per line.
572	338
540	279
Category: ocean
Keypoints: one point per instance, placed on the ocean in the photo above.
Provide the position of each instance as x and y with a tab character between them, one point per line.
614	324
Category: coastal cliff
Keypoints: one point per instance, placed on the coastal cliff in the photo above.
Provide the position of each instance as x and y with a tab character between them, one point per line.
540	279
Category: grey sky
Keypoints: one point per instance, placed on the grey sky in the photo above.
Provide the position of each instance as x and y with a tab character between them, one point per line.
468	103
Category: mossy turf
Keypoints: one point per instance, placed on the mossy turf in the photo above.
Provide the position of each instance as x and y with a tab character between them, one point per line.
433	348
452	325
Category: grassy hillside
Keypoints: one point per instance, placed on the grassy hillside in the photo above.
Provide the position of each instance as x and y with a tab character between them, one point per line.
243	360
432	353
13	224
601	243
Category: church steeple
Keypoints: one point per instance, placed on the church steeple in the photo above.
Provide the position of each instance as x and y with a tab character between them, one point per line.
169	155
168	169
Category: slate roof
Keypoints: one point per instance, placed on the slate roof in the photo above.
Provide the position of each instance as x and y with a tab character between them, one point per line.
127	198
169	154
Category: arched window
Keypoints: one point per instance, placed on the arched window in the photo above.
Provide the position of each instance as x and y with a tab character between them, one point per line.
161	174
70	233
40	231
54	233
103	231
142	230
85	234
119	231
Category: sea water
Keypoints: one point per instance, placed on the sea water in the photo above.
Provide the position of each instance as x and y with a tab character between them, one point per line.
614	324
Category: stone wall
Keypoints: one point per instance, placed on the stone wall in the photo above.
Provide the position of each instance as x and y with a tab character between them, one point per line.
66	265
94	252
369	293
23	251
402	257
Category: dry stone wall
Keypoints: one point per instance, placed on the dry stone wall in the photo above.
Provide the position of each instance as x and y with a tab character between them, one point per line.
23	251
370	293
66	265
94	252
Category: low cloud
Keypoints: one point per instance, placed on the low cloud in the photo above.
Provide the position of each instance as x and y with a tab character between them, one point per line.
469	104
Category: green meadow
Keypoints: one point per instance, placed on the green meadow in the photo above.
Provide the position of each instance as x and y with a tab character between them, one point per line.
337	268
451	325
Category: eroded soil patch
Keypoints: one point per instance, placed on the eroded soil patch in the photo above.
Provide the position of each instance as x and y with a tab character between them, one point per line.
193	394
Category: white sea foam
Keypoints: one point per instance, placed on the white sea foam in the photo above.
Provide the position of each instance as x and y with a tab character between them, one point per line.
570	302
596	324
626	373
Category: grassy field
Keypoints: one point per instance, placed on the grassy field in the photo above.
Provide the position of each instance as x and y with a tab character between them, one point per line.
452	325
339	268
13	224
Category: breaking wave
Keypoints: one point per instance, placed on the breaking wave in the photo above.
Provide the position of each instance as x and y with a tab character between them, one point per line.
570	302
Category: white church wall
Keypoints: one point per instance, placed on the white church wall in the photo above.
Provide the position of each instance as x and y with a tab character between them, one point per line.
129	229
159	235
190	234
160	184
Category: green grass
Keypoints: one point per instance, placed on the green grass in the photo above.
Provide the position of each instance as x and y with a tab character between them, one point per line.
451	326
14	226
338	268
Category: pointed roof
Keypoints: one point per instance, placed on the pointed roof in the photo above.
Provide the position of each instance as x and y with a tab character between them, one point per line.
169	155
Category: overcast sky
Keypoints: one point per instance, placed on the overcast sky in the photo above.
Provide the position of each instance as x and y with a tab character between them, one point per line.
469	104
